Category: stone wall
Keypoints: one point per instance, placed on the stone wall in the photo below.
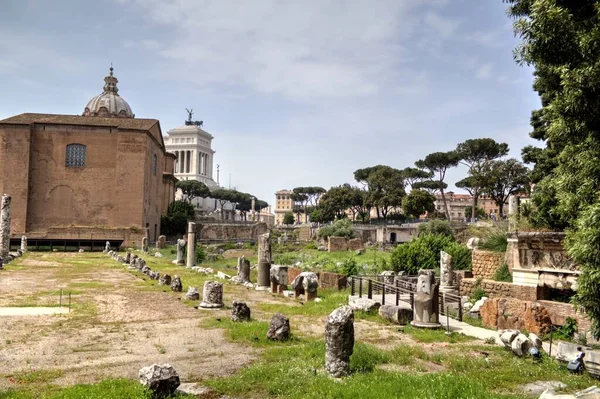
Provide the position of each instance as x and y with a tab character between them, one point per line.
559	311
485	263
232	232
498	289
336	244
512	313
355	244
326	279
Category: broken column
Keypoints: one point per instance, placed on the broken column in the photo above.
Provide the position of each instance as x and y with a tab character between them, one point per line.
264	262
23	244
279	328
161	242
339	341
191	245
426	302
180	252
279	279
306	283
243	271
144	244
447	280
240	312
212	295
5	226
107	247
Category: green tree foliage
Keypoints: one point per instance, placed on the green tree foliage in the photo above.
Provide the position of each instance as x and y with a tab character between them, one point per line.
480	214
437	164
560	39
503	178
503	274
306	197
415	175
340	228
436	227
424	253
289	218
417	203
385	187
193	189
174	223
477	154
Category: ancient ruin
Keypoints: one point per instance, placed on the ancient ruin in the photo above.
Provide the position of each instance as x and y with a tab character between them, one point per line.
279	328
191	245
5	217
339	341
145	244
212	295
23	244
306	283
426	302
176	285
447	280
180	252
243	271
264	262
240	312
279	279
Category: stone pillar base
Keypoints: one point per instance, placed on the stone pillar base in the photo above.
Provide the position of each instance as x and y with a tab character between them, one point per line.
425	325
205	305
263	288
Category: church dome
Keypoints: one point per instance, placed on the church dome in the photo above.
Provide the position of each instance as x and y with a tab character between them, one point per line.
109	104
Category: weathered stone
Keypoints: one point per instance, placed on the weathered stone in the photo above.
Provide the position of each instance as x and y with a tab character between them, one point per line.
279	279
192	294
508	336
191	245
592	362
176	284
223	276
396	314
264	262
592	392
23	244
426	301
240	312
180	252
154	275
538	387
158	255
306	283
566	352
127	257
5	216
363	304
279	328
473	243
107	247
355	244
516	314
477	305
161	379
161	242
145	244
165	279
537	342
146	270
339	341
447	283
212	295
521	345
243	271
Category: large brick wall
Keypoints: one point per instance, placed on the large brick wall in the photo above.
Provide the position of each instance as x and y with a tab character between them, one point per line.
559	311
336	244
498	289
485	263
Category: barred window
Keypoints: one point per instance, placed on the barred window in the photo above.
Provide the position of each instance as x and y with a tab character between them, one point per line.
154	164
76	154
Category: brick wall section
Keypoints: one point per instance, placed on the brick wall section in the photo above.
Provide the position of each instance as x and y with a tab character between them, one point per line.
326	279
559	311
336	244
485	263
498	289
355	244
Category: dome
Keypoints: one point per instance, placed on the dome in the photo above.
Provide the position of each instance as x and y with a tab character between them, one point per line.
109	104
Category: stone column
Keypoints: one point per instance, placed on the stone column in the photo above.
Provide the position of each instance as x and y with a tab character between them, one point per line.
339	341
5	226
191	245
180	252
513	212
144	244
23	244
447	283
427	301
212	295
264	262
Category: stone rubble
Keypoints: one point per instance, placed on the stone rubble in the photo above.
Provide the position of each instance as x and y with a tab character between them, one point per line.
161	379
240	312
192	294
339	341
279	328
176	285
212	295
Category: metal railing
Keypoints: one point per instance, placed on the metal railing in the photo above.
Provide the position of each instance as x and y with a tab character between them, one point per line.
449	304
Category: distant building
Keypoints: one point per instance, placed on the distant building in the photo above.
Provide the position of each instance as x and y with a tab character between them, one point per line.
104	175
458	202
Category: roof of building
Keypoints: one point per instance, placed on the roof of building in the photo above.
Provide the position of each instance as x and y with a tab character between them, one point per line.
284	191
109	103
121	123
190	129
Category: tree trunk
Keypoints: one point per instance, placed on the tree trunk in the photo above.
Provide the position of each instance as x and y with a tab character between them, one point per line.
500	209
445	204
474	205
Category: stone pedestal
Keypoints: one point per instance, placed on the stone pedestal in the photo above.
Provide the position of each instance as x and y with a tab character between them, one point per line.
23	244
264	262
161	242
5	226
243	271
180	252
191	245
426	303
306	283
339	341
212	295
279	279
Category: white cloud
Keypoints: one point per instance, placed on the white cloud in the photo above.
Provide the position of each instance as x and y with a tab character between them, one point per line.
484	71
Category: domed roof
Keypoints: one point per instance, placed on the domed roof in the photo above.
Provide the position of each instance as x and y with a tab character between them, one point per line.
109	103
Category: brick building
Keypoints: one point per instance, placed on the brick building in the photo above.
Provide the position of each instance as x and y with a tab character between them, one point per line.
101	176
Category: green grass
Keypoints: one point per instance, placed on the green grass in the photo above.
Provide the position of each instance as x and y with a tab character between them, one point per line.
330	300
36	376
252	333
426	335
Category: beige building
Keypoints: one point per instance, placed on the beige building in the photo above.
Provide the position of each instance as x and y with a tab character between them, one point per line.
458	202
283	205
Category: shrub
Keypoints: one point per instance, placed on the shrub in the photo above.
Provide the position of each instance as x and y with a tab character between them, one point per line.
341	228
478	292
289	218
436	227
497	242
200	254
461	256
349	267
503	274
424	253
569	328
174	223
311	245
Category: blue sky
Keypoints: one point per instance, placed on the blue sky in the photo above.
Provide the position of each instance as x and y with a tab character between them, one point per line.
296	93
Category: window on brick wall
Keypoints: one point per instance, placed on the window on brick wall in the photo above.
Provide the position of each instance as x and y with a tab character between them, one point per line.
75	156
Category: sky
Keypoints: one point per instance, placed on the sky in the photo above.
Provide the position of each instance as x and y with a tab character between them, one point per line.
296	93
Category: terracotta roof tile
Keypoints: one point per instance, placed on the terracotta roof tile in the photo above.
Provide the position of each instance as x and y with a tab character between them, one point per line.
122	123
